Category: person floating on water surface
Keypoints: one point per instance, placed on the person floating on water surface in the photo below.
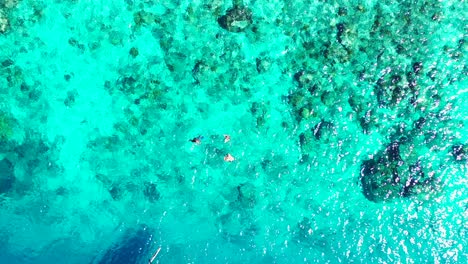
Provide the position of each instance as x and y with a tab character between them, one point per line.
196	140
229	158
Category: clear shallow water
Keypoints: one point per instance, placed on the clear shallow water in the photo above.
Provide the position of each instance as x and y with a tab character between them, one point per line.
347	122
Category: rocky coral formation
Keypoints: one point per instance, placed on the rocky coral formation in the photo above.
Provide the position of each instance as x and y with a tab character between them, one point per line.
236	19
5	127
387	176
4	22
9	3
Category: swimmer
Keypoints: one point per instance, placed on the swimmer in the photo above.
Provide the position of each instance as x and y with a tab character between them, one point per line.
229	158
196	140
227	138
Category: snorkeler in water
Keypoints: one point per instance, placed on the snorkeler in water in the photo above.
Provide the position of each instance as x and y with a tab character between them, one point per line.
196	140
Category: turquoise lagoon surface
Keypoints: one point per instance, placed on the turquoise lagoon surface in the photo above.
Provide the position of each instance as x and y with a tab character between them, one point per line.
347	121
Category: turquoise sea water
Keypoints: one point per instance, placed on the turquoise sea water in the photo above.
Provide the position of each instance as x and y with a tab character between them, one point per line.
347	121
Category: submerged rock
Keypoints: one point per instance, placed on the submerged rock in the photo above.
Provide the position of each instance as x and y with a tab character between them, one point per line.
329	98
418	124
143	17
308	234
391	90
417	67
133	248
458	152
341	28
151	192
5	127
392	152
367	121
342	11
262	64
7	175
323	129
379	176
305	228
305	113
115	192
304	78
7	63
297	99
378	182
305	138
236	19
10	3
134	52
71	98
246	195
